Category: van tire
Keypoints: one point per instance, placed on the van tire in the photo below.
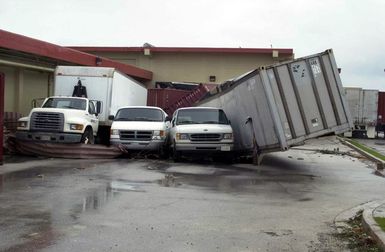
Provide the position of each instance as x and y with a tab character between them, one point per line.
163	152
88	137
176	155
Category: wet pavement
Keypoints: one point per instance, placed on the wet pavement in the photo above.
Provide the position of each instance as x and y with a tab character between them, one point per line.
286	204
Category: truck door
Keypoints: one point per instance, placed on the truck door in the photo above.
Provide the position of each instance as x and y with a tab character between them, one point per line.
92	116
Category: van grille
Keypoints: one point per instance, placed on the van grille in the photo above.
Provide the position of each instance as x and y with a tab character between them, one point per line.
47	121
205	137
136	135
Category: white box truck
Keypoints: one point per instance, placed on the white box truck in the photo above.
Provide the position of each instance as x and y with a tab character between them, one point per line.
83	99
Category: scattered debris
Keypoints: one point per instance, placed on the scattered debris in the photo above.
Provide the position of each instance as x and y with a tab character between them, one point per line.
356	237
60	150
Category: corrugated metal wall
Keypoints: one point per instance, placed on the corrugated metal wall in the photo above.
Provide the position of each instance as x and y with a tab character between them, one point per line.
163	98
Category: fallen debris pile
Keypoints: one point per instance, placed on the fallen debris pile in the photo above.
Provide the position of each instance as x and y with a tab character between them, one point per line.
60	150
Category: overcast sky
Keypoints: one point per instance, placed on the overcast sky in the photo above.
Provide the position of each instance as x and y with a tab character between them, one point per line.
354	29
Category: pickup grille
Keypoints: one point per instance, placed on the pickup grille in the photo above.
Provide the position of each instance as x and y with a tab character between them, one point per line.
47	121
136	135
209	137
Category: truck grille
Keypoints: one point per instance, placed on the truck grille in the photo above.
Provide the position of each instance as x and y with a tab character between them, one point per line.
210	137
136	135
46	121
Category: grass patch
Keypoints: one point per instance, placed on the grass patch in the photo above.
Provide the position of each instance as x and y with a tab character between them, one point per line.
366	149
381	222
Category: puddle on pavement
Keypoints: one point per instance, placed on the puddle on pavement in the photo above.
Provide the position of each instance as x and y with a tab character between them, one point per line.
103	196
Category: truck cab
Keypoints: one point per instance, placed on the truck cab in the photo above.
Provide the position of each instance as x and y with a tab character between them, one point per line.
143	128
61	119
202	130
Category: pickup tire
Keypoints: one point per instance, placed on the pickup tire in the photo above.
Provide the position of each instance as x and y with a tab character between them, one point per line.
88	137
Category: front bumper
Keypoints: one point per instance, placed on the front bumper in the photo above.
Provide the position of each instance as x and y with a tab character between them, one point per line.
57	137
204	147
153	145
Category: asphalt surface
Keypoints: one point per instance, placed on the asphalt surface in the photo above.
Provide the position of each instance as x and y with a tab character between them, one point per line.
286	204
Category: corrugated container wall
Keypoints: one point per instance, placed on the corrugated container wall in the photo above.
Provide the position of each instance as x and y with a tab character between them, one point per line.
363	105
164	97
286	102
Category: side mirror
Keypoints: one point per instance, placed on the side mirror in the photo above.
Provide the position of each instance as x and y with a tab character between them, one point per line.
168	119
98	107
111	117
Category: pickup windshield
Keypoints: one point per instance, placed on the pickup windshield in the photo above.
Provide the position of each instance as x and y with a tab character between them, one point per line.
68	103
139	114
201	116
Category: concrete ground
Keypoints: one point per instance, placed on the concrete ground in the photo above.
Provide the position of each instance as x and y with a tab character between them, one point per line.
287	204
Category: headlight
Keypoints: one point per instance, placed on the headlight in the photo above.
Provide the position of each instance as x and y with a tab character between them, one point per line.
114	132
159	133
181	136
76	126
228	136
22	124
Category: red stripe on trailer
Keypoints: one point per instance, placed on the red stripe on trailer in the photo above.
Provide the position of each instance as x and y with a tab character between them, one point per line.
2	83
381	108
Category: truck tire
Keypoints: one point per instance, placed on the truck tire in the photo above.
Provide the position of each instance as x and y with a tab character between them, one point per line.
88	137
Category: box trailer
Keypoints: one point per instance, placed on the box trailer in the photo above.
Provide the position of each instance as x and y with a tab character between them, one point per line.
363	106
104	84
281	105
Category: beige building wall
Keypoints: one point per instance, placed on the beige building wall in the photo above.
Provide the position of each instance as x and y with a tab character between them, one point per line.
22	86
193	67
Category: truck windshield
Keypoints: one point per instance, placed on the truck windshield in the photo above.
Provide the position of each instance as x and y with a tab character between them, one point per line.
201	116
139	114
68	103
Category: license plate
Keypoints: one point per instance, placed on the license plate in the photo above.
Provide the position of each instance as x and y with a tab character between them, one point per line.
45	138
225	148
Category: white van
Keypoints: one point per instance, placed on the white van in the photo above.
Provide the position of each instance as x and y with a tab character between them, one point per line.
204	130
140	128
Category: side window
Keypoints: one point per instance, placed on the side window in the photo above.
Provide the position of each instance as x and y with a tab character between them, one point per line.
91	108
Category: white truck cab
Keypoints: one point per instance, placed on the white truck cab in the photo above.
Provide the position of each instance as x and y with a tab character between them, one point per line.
61	119
140	128
204	130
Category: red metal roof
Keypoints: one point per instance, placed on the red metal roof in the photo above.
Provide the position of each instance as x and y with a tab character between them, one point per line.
25	44
285	51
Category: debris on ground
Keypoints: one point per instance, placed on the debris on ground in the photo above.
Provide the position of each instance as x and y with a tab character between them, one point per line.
356	237
63	150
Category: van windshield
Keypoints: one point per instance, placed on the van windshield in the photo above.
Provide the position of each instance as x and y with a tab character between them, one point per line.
139	114
68	103
201	116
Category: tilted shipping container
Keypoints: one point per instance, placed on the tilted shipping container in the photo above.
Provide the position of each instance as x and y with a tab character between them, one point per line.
284	104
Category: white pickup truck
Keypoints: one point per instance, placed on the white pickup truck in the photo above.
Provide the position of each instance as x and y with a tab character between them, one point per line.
61	119
203	130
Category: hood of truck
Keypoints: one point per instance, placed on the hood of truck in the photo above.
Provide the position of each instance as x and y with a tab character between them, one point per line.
204	128
70	112
134	125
